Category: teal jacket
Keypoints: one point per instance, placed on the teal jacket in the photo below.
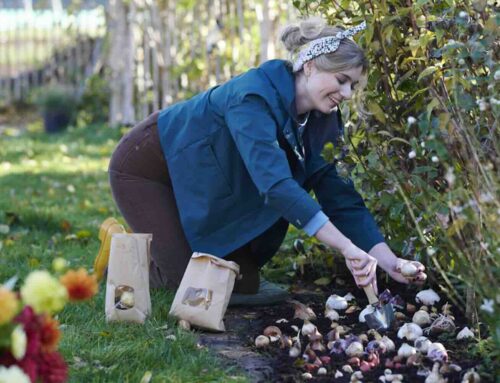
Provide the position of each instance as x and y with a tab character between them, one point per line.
238	165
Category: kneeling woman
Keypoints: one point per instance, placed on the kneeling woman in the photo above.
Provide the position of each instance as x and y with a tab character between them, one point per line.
227	171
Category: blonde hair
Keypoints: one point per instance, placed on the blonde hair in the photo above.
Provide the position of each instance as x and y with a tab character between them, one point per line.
347	56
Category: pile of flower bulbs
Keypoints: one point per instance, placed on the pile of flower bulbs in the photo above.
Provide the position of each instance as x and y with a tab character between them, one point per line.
364	352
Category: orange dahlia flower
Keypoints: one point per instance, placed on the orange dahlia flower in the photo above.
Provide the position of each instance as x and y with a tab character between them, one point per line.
80	284
49	334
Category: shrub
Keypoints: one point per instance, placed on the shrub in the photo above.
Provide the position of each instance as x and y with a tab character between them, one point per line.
55	98
94	104
426	159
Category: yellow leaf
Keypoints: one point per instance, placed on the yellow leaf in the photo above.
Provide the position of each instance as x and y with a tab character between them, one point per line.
83	234
414	46
9	242
377	111
456	227
33	263
146	378
324	281
444	118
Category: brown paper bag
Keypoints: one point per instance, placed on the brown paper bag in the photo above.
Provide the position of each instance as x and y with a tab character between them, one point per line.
204	292
127	286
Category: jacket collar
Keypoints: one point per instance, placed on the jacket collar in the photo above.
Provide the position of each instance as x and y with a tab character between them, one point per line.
279	73
322	128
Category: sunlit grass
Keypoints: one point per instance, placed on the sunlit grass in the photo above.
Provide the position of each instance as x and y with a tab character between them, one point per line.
54	194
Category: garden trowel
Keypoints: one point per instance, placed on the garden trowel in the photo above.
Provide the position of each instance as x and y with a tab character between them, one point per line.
382	316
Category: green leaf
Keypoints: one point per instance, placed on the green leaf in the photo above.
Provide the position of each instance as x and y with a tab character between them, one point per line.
399	139
369	33
431	106
385	133
422	169
426	72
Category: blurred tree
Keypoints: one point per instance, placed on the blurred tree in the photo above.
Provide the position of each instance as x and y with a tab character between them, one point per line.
121	15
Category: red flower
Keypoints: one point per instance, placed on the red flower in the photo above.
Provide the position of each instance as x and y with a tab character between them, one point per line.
32	324
52	368
49	334
28	365
80	284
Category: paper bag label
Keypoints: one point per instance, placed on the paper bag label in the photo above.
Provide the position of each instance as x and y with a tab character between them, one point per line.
197	297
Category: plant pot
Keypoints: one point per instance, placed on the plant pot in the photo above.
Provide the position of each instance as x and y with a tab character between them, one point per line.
56	120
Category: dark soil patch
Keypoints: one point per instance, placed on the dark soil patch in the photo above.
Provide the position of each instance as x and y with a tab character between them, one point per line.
288	369
274	364
234	347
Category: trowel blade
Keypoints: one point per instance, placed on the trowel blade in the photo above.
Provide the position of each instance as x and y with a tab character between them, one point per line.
382	318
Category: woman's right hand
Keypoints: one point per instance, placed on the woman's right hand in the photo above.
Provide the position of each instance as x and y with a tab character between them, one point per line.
363	266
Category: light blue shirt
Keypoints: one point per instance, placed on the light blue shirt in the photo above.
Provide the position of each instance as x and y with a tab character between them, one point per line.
316	223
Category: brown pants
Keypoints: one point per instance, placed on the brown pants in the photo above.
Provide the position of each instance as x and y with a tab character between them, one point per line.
142	190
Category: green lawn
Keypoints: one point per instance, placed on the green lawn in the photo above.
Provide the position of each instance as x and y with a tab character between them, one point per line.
53	195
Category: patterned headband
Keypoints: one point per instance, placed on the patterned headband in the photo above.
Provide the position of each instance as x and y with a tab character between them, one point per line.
324	45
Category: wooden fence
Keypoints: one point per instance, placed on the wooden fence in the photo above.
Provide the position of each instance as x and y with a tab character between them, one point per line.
177	48
38	47
157	52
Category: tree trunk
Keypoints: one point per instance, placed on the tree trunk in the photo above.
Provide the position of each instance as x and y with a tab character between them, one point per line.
57	6
121	62
28	5
241	20
470	306
265	29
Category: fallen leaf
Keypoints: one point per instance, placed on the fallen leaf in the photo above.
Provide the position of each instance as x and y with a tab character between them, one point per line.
12	218
302	311
324	281
33	263
8	242
146	378
79	362
83	234
65	226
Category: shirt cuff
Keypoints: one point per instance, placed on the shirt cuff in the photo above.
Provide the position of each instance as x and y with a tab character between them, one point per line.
316	223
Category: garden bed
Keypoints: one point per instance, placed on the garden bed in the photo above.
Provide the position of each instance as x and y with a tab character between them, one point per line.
288	369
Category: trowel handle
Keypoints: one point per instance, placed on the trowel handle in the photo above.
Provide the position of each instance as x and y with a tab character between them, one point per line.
370	294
